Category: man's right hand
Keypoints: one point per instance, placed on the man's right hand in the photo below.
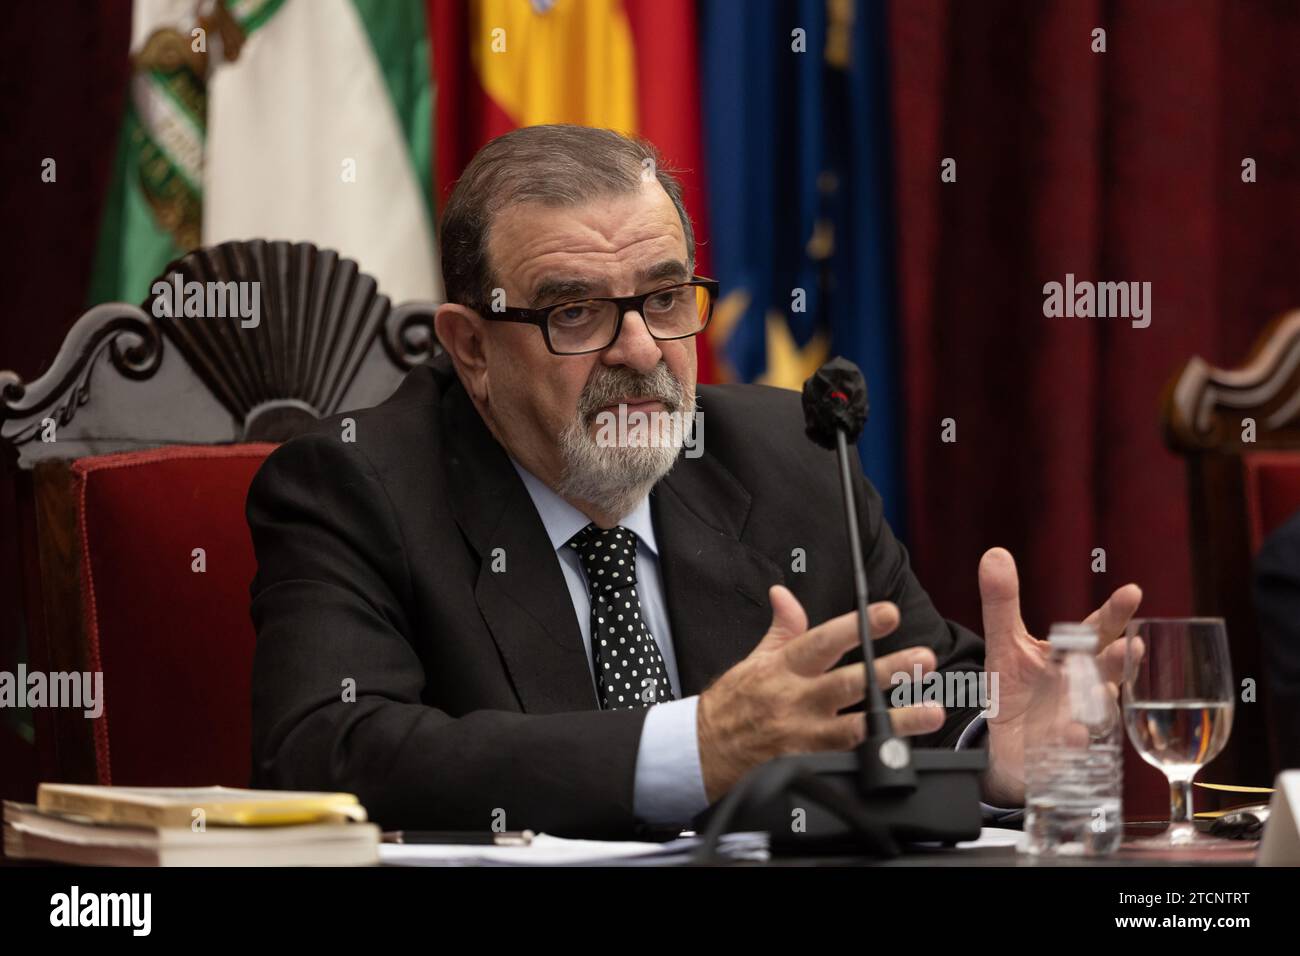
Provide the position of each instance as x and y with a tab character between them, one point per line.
784	699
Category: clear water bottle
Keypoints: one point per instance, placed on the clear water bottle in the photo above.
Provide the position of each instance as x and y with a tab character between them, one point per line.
1073	757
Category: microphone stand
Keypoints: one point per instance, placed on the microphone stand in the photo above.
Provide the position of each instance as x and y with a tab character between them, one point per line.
885	760
883	793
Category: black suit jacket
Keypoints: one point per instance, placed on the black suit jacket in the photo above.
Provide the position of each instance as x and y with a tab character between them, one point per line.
1277	601
472	692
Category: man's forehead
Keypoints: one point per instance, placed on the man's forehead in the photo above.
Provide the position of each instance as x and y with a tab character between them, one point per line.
636	235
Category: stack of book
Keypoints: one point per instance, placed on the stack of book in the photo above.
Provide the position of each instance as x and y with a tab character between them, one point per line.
183	826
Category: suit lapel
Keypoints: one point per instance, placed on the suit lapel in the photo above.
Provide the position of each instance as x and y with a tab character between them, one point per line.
715	584
526	603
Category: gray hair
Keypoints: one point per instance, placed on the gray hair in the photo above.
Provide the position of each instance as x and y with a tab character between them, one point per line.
559	165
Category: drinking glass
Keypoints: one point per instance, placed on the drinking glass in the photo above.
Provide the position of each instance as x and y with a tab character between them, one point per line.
1178	705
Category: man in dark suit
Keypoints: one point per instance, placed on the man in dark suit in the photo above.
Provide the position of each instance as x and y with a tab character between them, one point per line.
477	605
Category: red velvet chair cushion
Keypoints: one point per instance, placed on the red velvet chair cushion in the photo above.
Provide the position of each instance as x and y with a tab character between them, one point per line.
1272	486
175	645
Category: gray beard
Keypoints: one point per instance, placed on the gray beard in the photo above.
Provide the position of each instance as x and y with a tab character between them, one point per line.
613	479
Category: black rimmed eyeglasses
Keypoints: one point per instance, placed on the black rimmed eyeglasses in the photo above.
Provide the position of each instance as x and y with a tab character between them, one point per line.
593	324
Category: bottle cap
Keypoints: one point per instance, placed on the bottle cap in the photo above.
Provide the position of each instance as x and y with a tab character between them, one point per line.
1073	637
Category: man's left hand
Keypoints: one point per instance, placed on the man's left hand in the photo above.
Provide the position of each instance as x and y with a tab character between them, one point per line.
1020	661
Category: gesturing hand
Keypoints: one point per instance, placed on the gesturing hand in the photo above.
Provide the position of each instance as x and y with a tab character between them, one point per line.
785	697
1020	662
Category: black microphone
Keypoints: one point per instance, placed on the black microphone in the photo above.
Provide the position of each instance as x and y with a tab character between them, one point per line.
835	410
835	400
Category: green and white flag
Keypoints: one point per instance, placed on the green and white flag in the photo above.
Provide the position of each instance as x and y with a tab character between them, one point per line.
275	119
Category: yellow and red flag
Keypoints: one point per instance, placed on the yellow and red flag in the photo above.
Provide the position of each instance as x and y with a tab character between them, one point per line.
629	65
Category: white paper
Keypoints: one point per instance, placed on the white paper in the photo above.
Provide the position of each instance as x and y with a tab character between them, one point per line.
992	836
1280	845
547	850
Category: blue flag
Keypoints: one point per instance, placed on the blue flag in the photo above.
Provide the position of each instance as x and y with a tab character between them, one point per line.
797	159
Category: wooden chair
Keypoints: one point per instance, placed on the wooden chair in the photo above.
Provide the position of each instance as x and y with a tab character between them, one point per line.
1239	431
133	455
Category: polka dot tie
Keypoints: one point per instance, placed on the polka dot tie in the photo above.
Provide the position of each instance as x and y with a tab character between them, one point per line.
630	671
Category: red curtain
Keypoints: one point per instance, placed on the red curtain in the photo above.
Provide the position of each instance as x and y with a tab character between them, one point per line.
1120	166
63	85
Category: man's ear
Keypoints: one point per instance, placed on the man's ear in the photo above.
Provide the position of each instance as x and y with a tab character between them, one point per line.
460	332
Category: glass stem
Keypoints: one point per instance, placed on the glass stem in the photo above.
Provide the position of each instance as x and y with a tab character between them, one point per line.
1180	802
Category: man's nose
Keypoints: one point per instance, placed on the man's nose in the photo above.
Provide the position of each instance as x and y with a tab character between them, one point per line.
635	347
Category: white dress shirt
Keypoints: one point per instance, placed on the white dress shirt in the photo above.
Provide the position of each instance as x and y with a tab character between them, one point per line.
669	785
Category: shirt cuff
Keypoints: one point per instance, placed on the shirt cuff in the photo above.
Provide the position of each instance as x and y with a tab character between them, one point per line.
973	735
669	785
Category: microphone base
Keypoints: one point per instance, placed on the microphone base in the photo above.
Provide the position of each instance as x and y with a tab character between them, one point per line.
943	807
